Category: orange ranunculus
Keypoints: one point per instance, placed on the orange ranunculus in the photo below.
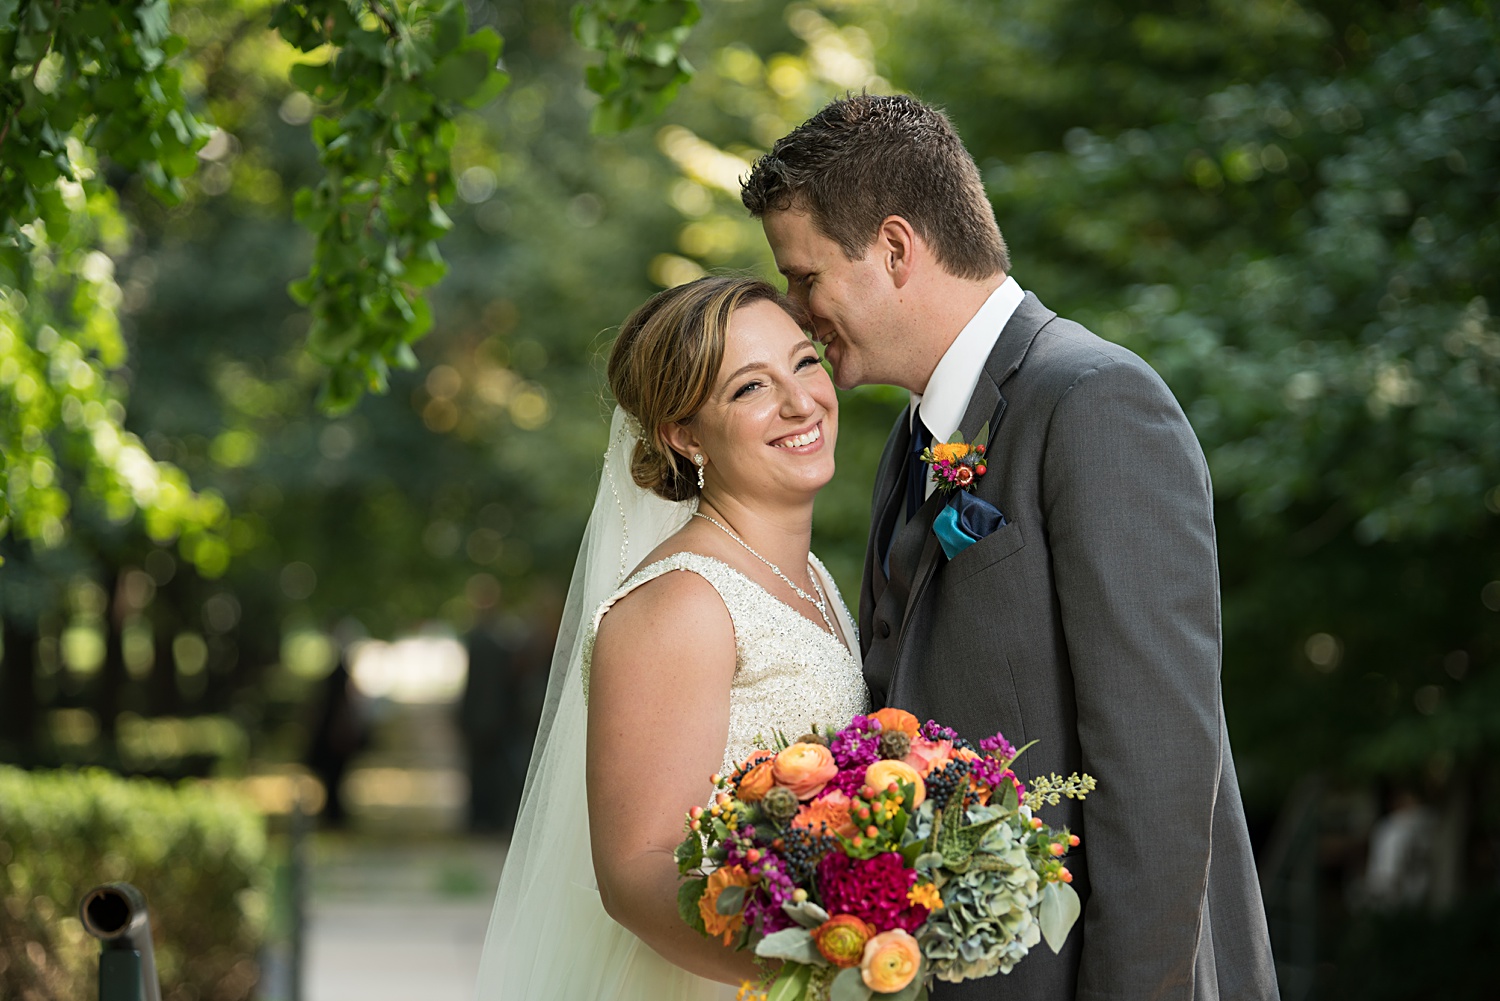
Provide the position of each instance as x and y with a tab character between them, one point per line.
831	810
925	755
891	718
882	773
717	924
804	769
841	939
756	780
890	962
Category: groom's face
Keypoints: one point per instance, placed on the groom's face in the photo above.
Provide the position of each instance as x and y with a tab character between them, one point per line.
846	299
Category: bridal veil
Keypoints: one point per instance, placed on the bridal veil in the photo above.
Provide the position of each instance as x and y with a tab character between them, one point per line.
549	937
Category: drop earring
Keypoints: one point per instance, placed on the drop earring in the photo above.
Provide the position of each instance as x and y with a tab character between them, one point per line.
700	462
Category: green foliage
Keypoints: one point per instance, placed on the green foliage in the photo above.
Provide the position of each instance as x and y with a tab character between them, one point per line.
398	77
643	66
688	895
197	853
89	84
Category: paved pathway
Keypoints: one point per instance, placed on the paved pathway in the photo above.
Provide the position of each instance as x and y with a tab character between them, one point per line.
398	922
397	909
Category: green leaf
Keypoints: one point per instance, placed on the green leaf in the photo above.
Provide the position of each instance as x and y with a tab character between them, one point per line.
731	900
421	273
983	437
688	895
807	914
792	944
791	985
449	26
315	79
586	26
689	854
1009	798
849	985
493	84
302	290
340	392
1060	909
459	75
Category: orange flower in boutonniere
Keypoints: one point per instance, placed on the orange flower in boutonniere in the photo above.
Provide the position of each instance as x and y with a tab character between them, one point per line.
957	464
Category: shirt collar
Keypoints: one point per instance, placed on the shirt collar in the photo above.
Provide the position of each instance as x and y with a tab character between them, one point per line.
947	393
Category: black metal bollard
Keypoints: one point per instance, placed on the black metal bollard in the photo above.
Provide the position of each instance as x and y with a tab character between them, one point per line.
116	915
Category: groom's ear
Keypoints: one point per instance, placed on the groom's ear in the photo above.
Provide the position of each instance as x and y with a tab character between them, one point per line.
897	246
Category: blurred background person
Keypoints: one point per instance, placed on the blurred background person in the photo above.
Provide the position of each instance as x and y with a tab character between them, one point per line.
490	716
341	728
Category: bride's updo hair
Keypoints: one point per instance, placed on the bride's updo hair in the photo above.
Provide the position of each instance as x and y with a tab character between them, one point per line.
664	363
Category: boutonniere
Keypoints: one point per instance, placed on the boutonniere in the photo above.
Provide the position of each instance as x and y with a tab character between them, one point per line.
957	464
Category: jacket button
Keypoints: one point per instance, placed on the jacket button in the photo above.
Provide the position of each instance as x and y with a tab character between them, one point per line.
884	629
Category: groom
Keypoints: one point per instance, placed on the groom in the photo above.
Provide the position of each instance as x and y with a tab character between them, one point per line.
1086	616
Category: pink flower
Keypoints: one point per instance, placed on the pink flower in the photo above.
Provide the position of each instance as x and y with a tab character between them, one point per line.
925	755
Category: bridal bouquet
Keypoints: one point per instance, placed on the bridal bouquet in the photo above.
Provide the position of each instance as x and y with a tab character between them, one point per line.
877	858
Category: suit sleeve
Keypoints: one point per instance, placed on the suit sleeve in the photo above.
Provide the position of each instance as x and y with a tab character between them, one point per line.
1129	515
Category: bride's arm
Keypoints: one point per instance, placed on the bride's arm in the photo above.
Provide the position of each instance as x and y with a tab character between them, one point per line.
658	721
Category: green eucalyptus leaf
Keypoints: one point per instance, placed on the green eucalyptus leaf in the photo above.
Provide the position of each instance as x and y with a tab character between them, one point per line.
731	900
849	985
791	984
1060	909
792	944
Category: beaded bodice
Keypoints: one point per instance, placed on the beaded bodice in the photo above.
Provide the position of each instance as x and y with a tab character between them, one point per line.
789	673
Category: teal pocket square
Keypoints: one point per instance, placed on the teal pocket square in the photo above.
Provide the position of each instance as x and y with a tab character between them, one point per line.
964	520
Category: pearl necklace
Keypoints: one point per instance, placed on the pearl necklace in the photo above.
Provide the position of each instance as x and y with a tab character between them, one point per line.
820	602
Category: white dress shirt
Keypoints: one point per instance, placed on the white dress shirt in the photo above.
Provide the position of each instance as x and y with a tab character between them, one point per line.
945	398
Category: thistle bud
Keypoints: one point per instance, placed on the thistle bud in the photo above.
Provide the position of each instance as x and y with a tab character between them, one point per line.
780	803
812	738
894	744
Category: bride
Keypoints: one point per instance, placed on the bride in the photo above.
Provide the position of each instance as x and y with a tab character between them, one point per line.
723	436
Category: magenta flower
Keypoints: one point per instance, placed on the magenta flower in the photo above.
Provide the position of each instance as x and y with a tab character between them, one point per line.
872	889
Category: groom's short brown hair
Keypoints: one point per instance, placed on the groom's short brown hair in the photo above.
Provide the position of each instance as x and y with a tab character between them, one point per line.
863	158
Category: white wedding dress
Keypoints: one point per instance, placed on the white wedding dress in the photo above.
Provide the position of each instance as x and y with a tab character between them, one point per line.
549	937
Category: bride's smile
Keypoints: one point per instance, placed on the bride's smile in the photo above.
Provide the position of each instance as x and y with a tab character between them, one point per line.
802	442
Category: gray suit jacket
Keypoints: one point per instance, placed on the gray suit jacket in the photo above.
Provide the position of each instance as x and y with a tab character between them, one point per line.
1089	623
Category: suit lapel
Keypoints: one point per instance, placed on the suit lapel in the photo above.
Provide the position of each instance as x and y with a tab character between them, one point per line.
987	404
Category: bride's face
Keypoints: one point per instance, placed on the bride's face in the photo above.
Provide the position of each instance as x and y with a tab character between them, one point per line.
771	421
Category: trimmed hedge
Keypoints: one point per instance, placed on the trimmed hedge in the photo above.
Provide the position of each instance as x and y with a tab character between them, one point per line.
197	852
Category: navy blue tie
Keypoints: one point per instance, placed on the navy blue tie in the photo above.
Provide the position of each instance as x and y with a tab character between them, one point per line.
916	472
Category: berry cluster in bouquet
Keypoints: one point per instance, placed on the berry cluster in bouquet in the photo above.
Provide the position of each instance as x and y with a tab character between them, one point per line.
875	859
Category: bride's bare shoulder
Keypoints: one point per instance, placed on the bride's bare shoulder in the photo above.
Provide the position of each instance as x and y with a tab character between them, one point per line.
676	609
